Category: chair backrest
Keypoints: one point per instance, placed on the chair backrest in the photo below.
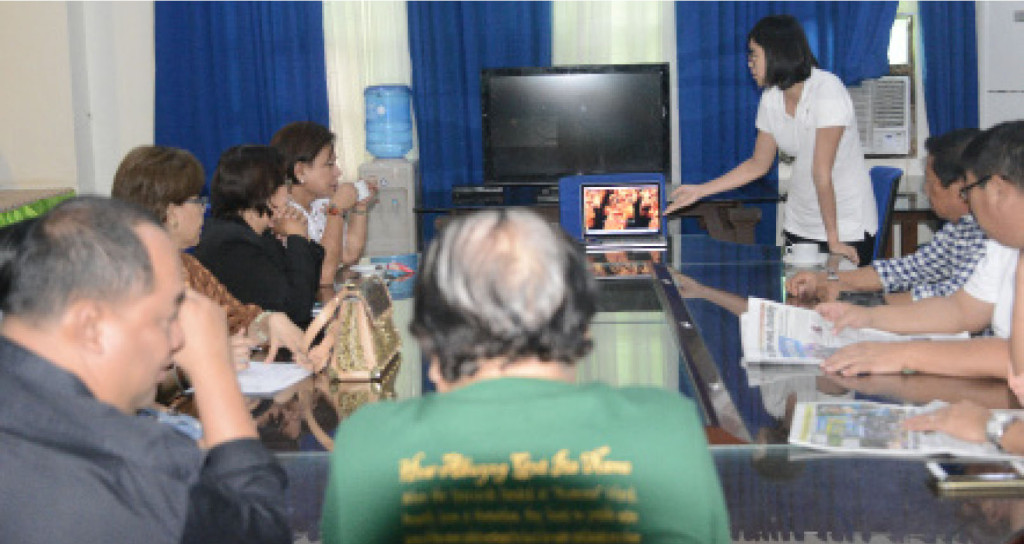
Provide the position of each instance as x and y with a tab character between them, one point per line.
886	181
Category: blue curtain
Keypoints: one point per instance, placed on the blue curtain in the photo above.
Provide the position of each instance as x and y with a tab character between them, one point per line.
231	73
716	125
949	36
850	39
450	42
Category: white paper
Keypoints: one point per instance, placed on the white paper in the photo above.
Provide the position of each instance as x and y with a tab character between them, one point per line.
772	332
266	379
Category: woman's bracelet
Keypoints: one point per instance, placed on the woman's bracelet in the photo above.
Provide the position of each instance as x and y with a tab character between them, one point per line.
262	336
358	212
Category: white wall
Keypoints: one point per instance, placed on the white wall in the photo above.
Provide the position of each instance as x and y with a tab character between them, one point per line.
77	92
113	79
37	144
1000	73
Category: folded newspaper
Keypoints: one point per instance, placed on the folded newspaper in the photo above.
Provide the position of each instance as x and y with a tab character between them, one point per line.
773	332
877	428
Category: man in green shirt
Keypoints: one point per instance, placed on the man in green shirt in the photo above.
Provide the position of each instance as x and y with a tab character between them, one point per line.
511	449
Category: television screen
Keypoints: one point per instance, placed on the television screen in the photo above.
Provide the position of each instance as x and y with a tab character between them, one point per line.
540	124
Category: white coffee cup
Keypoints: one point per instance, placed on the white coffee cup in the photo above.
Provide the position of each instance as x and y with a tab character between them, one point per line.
802	253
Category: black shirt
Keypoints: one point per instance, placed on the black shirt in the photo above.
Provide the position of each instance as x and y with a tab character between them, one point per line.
258	269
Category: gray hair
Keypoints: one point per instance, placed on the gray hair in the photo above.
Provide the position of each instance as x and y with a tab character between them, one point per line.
84	248
502	283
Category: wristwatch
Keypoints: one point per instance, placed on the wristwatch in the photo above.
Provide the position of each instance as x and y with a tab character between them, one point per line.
832	266
996	427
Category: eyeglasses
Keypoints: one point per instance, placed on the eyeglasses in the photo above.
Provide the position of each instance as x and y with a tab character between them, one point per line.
203	201
966	189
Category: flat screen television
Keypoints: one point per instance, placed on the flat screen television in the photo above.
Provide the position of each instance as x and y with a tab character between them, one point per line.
541	124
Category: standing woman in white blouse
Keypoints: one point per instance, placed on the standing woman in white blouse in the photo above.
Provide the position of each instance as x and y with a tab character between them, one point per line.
807	114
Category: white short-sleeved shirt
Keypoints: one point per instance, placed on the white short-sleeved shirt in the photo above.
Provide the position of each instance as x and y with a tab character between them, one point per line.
824	102
993	282
316	218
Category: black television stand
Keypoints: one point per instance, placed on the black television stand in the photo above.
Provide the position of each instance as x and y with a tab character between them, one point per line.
547	195
504	195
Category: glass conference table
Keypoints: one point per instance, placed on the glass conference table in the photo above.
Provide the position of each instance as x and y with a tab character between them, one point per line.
681	332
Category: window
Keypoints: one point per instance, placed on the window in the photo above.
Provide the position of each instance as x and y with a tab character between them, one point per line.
901	46
885	106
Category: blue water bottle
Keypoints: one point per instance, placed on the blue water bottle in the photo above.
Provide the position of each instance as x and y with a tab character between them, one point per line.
388	121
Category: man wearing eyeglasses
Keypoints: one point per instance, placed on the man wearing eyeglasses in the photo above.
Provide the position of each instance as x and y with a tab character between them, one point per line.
994	193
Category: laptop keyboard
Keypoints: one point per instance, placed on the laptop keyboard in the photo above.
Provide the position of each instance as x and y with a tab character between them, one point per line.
627	241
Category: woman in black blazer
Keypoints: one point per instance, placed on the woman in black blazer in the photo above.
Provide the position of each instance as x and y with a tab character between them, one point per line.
254	243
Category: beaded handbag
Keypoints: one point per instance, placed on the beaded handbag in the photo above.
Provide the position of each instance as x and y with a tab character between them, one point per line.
339	399
359	336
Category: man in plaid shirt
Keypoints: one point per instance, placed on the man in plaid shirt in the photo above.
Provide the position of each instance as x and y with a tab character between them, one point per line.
992	297
938	268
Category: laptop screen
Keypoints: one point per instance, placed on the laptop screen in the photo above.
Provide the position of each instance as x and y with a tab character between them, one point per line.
620	209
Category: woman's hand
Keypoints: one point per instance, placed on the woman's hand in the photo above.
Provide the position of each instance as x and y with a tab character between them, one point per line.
285	334
845	250
374	186
684	196
241	349
288	221
345	196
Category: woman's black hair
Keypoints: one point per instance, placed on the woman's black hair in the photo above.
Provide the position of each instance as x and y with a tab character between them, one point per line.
787	55
245	179
300	142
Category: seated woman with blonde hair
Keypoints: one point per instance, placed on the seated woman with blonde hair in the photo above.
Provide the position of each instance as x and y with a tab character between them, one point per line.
167	181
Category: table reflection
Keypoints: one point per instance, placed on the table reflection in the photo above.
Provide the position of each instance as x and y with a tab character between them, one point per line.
634	345
304	417
774	492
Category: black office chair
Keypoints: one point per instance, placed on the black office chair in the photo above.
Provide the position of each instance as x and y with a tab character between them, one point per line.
886	181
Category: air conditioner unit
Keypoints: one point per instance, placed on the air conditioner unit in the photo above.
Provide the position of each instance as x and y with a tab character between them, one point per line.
882	107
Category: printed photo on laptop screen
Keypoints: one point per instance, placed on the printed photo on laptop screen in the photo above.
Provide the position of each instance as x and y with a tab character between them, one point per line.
620	209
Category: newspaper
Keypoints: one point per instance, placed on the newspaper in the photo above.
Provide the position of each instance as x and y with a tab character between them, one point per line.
877	428
777	333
